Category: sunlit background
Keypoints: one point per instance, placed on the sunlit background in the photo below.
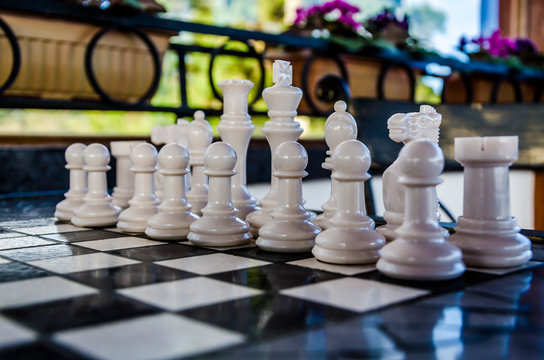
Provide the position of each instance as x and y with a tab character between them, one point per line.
438	24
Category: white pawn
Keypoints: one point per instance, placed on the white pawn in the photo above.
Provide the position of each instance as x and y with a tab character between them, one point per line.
200	137
78	183
174	217
97	208
124	189
143	204
219	225
420	251
290	229
486	233
340	126
350	238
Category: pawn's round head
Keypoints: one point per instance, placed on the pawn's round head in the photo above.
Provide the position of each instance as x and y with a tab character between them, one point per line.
220	156
173	157
199	115
96	155
351	159
74	154
200	134
421	158
143	156
290	156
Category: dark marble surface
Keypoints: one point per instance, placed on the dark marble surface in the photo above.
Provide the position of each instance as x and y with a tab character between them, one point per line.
479	316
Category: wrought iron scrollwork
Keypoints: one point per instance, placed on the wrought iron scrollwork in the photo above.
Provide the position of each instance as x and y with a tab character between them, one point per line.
251	53
16	55
91	76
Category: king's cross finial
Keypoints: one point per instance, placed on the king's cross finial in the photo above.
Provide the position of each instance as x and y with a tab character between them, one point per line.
282	73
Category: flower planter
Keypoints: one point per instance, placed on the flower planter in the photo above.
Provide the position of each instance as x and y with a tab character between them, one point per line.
482	90
52	59
362	74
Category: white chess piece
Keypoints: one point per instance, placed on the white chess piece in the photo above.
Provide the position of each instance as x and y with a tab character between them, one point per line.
219	225
124	189
404	128
97	209
236	129
340	126
420	251
282	100
486	233
291	229
143	204
78	182
200	137
350	238
174	217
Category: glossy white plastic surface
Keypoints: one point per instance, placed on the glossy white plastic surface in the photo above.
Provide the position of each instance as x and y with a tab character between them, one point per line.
235	128
175	216
405	128
78	182
143	204
290	229
282	101
200	137
97	208
124	187
340	126
219	224
486	233
350	238
420	251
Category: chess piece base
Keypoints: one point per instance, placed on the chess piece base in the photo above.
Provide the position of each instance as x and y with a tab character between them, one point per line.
95	215
121	197
257	219
338	245
170	226
491	243
423	261
211	231
323	221
64	211
287	236
134	219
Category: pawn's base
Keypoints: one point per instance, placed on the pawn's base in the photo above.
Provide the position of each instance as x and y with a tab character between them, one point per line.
170	226
95	215
121	197
134	219
213	231
428	260
388	231
197	204
257	219
322	221
491	243
288	236
353	245
64	211
245	207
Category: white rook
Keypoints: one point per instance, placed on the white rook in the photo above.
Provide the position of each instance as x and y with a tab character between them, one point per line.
486	233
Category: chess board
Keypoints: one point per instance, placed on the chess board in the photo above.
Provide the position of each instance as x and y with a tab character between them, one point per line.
76	293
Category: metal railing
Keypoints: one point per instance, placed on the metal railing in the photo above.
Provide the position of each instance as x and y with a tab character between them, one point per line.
137	23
